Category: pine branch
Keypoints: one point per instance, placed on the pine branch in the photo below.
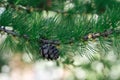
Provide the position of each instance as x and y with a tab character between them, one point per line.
56	30
30	9
57	42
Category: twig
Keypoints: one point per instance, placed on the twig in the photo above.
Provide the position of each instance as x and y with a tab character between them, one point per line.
96	35
2	28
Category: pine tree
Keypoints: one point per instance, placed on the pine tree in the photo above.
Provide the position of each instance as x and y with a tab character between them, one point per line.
60	29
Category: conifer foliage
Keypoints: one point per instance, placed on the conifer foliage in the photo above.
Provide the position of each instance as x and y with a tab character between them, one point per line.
52	28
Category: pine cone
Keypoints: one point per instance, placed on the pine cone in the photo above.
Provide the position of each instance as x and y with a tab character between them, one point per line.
49	52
